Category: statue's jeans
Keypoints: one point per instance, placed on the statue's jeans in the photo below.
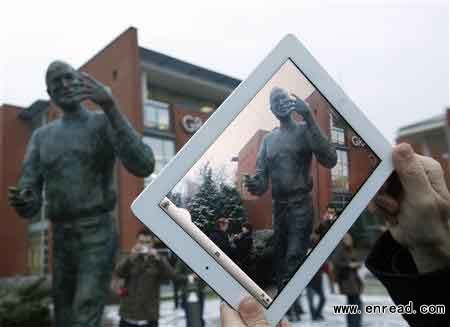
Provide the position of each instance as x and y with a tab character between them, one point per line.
83	261
292	227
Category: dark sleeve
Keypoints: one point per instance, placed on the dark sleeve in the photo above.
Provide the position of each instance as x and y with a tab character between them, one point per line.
123	267
262	172
32	178
135	155
244	244
166	270
395	268
323	149
341	262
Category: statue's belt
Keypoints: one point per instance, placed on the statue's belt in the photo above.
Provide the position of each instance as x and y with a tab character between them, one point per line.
87	221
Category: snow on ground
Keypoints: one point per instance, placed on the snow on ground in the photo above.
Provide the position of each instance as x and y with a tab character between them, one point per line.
171	317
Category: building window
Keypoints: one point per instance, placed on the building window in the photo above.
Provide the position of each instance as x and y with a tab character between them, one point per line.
340	200
339	173
337	128
156	115
163	149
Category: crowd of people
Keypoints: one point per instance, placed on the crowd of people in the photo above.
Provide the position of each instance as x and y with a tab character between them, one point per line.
144	270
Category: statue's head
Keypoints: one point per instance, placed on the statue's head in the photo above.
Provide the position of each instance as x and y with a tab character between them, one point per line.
280	102
63	84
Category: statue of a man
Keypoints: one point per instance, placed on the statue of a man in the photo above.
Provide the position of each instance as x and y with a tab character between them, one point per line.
285	157
70	164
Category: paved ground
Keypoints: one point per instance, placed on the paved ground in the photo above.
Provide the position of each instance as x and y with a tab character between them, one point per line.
374	294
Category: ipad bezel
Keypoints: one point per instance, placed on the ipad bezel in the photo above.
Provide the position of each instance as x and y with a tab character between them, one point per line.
147	205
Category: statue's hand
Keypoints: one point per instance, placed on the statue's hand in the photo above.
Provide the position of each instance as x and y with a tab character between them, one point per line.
301	107
96	92
23	200
252	185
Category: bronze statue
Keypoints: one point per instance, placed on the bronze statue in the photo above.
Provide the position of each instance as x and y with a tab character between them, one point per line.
285	157
69	168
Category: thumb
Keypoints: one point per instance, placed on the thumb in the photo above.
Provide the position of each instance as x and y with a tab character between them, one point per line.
252	313
410	171
435	174
229	317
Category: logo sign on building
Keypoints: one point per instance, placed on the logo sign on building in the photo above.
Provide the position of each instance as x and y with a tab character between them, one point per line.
358	142
191	124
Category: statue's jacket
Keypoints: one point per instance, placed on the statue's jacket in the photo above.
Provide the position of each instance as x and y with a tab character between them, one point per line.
70	164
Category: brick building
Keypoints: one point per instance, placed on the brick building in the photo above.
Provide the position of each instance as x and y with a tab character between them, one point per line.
164	98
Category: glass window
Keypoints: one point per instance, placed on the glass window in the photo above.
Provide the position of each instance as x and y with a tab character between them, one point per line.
339	173
337	130
156	115
163	149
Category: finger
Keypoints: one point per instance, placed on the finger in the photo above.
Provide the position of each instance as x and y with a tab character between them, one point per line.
252	313
295	96
382	213
284	323
433	170
23	206
12	195
229	317
16	200
410	171
91	81
387	203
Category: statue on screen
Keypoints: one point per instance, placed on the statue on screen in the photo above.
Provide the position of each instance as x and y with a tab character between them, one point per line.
70	163
285	157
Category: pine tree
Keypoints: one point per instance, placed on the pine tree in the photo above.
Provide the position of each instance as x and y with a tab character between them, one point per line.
176	198
231	206
25	305
204	204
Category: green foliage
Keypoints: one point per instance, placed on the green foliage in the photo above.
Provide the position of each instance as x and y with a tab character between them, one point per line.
214	200
176	198
231	207
25	305
204	204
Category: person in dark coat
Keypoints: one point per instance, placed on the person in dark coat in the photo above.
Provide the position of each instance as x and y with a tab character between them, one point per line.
347	277
221	238
191	283
315	287
143	272
243	244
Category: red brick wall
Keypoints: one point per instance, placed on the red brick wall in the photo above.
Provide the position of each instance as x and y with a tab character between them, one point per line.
259	209
14	136
321	175
118	66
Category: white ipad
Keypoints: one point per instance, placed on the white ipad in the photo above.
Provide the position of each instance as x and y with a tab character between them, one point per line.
286	152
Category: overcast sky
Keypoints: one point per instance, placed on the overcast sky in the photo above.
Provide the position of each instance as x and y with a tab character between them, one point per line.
391	57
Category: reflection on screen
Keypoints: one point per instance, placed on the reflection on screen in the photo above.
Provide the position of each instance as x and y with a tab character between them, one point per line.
271	185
